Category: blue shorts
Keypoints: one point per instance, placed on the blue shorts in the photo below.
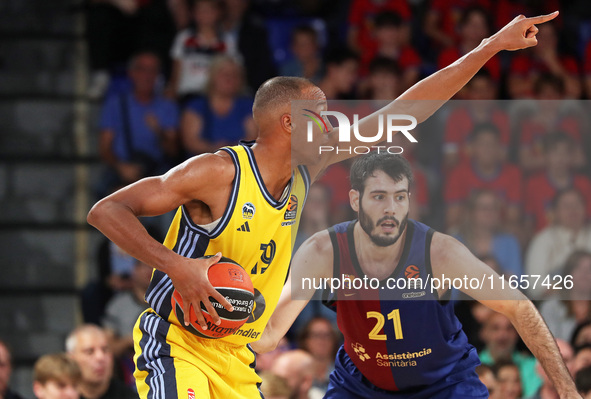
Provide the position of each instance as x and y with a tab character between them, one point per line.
347	382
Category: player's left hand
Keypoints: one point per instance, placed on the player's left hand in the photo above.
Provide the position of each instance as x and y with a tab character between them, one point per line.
521	32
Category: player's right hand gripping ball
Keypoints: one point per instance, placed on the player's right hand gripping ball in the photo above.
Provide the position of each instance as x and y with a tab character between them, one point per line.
233	282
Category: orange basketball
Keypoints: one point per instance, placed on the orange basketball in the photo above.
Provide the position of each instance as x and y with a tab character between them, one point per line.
233	282
411	272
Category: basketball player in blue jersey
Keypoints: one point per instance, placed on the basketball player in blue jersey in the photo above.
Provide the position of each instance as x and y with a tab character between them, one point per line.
401	342
244	202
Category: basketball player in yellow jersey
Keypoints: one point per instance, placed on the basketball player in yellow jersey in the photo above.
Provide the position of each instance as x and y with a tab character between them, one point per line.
219	198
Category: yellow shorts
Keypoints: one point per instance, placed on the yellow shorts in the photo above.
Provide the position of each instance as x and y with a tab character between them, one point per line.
170	363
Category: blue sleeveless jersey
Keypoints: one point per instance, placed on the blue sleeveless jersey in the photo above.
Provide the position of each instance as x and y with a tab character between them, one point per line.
400	339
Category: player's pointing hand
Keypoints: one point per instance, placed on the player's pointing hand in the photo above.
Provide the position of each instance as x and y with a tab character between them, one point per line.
520	33
190	280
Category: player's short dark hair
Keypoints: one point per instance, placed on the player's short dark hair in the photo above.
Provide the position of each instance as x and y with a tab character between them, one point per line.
394	165
550	141
484	128
583	380
278	91
338	56
384	64
388	18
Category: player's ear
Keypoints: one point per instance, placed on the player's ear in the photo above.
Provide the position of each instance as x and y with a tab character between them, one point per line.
287	122
354	199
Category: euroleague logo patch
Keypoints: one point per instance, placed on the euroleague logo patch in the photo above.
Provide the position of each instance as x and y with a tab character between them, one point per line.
411	272
292	208
191	393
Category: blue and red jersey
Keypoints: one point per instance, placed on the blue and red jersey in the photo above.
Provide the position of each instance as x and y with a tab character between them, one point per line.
401	338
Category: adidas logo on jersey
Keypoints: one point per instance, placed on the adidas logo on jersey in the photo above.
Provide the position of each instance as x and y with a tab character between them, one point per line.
244	227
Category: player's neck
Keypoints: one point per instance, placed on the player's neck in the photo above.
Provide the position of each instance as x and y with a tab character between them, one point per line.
375	261
274	163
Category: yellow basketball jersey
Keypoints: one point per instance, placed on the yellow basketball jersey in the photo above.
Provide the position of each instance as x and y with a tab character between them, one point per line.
256	231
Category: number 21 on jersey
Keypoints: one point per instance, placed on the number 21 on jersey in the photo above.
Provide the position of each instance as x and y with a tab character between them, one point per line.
375	332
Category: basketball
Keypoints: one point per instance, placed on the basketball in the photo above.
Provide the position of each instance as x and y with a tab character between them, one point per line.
233	282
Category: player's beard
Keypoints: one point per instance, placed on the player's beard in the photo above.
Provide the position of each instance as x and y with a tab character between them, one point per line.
368	225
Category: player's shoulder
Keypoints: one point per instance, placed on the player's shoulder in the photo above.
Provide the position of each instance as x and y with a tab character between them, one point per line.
320	243
215	167
445	247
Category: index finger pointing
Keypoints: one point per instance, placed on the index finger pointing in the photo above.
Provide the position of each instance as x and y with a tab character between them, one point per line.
542	18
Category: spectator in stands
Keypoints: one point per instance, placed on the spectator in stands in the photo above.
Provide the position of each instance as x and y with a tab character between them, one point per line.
384	80
487	377
307	61
500	339
547	389
441	20
477	109
487	170
587	70
194	49
582	358
121	314
570	306
316	215
560	152
583	382
246	36
390	42
117	29
274	387
138	134
115	268
551	247
362	15
481	232
340	74
581	335
473	26
535	120
5	372
297	367
320	339
221	118
508	380
89	346
56	376
526	67
265	360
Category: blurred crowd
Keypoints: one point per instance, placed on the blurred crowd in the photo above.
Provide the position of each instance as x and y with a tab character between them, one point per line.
510	179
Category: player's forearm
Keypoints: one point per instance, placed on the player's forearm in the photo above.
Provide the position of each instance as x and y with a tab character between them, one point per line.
443	84
118	223
535	333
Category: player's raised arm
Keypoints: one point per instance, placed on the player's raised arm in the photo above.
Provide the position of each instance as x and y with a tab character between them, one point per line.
428	95
206	178
453	259
314	261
